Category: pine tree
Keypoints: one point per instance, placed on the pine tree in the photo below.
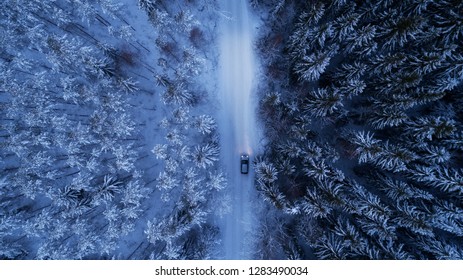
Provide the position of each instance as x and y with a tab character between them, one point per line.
362	39
345	25
379	228
266	173
351	235
429	128
352	88
439	249
314	205
435	155
217	181
166	182
447	216
205	155
383	118
310	67
448	20
368	148
185	20
388	63
323	102
318	170
160	151
394	158
177	94
402	191
330	247
369	204
205	124
107	189
413	219
148	5
313	15
398	31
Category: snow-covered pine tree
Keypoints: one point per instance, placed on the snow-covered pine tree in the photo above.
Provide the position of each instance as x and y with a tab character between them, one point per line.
204	124
323	102
429	128
368	148
205	155
330	247
177	94
311	66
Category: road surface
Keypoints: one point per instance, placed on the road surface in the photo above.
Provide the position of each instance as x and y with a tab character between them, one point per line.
237	121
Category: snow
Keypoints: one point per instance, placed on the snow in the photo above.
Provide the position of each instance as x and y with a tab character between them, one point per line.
156	78
163	120
239	133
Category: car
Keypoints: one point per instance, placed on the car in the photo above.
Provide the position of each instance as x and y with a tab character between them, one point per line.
244	164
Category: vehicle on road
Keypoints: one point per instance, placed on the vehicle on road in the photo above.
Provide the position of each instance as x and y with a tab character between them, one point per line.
244	164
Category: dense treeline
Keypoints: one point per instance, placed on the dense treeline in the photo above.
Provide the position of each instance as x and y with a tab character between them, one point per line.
70	187
369	96
78	178
190	180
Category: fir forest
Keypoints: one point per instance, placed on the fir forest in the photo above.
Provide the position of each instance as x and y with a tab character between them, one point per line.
231	129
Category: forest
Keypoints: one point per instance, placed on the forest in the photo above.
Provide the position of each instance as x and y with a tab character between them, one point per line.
106	150
110	145
369	97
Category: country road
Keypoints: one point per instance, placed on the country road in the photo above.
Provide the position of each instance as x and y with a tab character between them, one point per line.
237	121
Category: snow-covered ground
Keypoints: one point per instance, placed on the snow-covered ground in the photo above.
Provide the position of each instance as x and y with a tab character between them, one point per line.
237	121
119	93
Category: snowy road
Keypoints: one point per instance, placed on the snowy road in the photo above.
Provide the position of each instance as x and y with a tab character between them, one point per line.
237	121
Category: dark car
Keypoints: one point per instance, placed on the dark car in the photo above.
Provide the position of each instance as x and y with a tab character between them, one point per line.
244	164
